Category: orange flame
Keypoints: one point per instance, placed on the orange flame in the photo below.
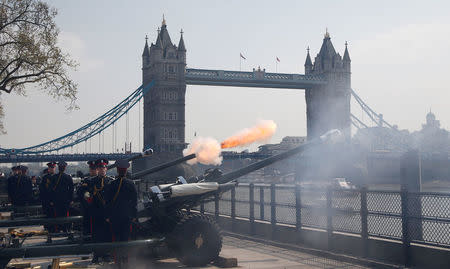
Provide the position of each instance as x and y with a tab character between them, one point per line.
259	133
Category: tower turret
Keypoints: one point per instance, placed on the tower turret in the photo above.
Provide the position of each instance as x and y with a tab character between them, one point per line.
164	104
328	106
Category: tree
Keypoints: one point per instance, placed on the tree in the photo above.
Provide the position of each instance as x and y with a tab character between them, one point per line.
29	54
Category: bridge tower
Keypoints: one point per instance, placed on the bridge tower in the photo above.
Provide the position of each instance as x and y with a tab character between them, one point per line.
328	106
164	104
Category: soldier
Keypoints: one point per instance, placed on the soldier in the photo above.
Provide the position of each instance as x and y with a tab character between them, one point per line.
121	209
62	192
35	188
85	198
45	193
96	186
19	186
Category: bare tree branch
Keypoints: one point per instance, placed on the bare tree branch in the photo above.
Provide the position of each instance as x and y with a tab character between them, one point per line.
29	54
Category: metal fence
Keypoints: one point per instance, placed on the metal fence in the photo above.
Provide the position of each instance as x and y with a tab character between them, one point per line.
422	218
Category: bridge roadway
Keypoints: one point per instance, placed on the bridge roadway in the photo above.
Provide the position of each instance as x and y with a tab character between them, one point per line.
257	78
110	156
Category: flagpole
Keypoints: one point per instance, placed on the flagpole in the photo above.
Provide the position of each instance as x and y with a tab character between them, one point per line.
276	66
240	60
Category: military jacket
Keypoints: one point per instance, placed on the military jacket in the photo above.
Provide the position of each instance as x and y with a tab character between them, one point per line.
20	189
62	189
97	187
121	196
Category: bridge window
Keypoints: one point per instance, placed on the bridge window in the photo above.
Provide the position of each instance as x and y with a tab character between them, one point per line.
169	95
170	115
171	69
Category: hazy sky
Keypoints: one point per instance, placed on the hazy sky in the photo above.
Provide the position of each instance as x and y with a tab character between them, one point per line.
399	50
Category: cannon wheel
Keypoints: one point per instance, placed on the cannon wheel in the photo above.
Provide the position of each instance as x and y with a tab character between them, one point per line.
196	240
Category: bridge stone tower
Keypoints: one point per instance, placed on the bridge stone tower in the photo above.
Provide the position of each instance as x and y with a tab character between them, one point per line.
164	104
328	106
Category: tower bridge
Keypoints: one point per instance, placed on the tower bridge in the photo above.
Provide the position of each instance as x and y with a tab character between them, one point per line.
326	81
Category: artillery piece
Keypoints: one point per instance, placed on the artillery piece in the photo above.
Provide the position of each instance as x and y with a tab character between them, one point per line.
164	215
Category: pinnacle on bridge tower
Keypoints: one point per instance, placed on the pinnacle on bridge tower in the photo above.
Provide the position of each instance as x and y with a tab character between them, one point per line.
308	63
181	46
164	104
145	53
328	106
346	60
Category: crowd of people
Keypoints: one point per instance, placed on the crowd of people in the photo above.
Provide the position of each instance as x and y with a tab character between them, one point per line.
109	205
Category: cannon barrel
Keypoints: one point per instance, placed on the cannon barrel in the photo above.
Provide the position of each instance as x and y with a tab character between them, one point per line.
21	209
143	154
162	166
330	136
72	249
39	221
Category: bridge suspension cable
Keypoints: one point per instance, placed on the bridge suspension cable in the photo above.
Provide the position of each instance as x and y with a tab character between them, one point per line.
395	137
87	131
375	117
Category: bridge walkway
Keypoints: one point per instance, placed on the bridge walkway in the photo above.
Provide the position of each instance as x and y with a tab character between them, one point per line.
250	253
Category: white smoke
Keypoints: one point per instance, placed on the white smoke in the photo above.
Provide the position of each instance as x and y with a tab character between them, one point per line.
206	149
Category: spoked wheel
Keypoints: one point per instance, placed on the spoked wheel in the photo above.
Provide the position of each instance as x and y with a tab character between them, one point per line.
196	240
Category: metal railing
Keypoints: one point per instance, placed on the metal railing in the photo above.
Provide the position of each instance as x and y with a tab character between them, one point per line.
407	217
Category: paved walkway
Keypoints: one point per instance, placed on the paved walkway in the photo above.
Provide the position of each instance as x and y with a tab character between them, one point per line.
249	253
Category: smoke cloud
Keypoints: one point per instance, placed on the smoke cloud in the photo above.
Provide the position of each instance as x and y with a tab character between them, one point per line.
206	149
259	133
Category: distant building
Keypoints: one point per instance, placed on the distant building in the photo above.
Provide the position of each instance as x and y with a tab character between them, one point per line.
432	138
381	138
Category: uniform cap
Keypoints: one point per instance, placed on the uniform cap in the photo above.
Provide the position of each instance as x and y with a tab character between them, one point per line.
62	163
91	164
51	164
22	167
101	162
122	164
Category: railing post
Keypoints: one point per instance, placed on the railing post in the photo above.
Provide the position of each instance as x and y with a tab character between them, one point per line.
251	189
216	206
298	208
273	212
146	185
329	213
261	203
233	208
405	224
364	224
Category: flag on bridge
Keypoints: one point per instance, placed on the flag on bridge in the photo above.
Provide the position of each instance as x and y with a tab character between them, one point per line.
242	56
278	60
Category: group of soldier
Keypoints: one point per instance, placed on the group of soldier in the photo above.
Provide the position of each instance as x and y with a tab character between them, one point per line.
20	188
109	205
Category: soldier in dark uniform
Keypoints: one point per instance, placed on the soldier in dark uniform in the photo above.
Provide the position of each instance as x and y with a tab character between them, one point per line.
85	197
45	194
121	209
62	192
19	187
96	186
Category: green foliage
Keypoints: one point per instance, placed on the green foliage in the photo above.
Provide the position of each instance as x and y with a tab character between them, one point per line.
29	54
